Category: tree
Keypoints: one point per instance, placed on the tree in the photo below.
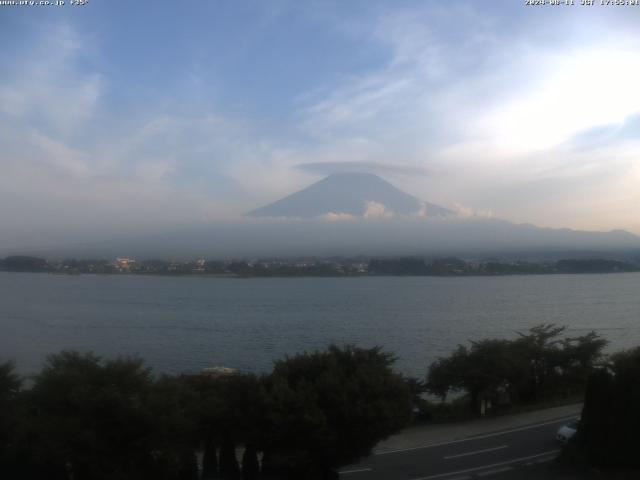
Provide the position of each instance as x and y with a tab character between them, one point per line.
594	430
21	263
538	364
398	266
173	437
230	411
330	408
101	420
490	372
542	353
209	460
484	371
250	464
580	355
229	467
608	431
10	385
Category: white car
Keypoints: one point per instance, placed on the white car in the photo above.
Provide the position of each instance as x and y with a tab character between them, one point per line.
567	431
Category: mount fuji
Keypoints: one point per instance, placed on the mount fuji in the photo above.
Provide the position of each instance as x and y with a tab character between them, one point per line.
352	194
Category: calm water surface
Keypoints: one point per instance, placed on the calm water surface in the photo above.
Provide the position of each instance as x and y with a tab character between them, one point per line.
185	324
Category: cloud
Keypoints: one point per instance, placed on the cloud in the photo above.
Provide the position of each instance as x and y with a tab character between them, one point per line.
49	88
327	168
607	134
70	163
424	211
467	104
58	156
375	210
468	212
338	217
46	100
580	89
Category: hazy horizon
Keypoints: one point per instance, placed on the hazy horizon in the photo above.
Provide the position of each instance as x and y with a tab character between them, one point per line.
118	120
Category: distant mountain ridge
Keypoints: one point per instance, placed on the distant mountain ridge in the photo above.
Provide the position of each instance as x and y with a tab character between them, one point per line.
349	194
411	227
473	237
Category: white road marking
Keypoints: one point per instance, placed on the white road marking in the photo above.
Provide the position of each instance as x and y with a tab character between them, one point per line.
360	470
485	467
544	460
494	471
467	439
476	452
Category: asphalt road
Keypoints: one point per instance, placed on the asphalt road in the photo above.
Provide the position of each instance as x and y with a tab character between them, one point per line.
475	457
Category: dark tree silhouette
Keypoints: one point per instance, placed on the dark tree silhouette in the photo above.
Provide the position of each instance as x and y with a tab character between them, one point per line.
608	431
330	408
250	464
537	365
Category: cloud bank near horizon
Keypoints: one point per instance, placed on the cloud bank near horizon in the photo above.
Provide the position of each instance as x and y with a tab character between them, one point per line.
376	168
532	115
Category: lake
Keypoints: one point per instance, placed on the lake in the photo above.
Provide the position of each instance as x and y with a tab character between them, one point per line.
183	324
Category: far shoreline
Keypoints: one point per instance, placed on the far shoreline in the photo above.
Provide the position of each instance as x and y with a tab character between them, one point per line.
251	277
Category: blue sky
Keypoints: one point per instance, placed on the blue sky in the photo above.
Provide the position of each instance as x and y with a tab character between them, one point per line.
148	114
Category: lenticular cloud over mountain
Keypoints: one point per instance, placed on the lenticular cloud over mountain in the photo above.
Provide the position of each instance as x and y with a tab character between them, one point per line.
342	196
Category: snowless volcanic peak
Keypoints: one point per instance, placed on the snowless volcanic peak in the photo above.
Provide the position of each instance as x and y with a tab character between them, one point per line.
353	194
